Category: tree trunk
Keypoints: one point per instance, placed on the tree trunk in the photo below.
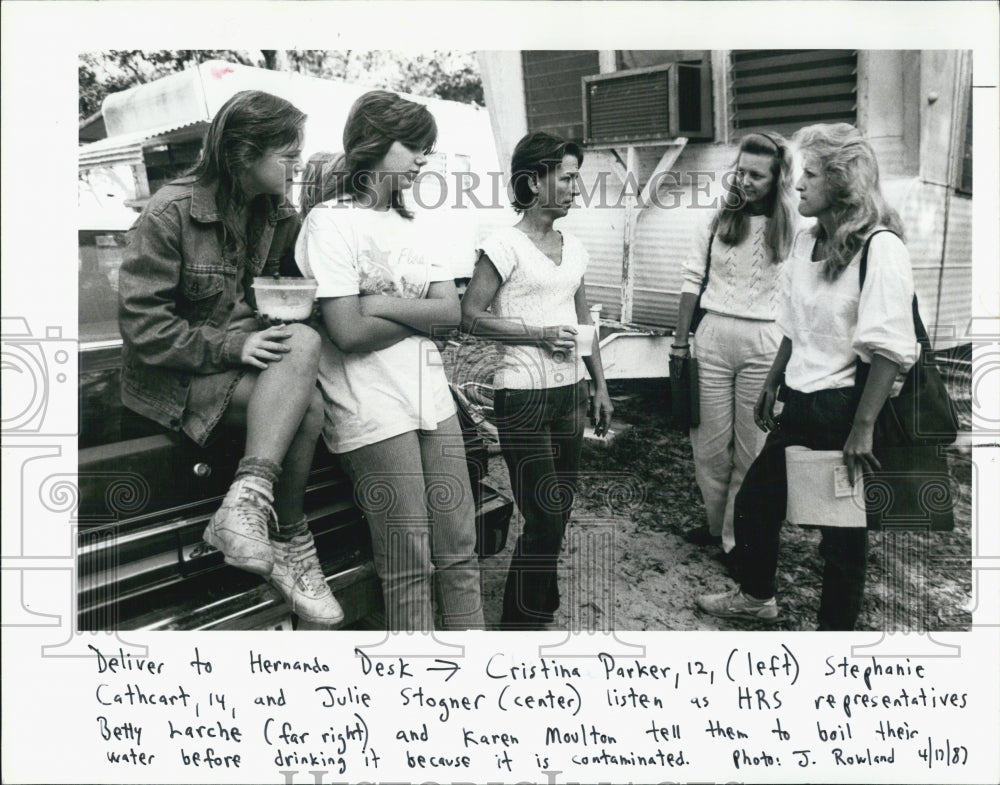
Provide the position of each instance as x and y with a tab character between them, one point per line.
275	59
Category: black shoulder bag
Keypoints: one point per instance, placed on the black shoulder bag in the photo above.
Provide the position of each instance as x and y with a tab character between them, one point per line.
913	488
699	312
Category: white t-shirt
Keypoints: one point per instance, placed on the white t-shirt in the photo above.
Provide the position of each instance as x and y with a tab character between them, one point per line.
831	324
373	396
537	292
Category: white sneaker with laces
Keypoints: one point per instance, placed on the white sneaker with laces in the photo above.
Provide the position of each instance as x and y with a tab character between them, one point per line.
299	577
737	605
239	527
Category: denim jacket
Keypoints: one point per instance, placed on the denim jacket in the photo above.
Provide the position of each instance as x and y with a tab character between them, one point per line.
178	291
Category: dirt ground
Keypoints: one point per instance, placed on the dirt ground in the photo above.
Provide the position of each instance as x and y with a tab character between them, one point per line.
626	565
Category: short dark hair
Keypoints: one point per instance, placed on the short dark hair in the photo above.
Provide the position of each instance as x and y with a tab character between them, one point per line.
536	155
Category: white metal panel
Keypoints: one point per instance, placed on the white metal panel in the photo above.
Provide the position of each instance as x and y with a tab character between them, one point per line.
176	99
668	227
954	306
599	223
630	355
128	154
664	235
945	295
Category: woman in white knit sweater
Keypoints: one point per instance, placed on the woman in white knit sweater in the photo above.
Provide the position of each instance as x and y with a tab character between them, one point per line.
740	251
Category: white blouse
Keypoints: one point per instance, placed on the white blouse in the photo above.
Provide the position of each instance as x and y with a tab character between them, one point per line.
537	292
832	323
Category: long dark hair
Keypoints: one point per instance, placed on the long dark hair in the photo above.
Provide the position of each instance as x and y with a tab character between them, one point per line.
247	126
731	223
321	179
376	120
848	162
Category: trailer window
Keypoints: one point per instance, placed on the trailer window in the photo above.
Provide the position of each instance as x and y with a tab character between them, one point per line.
166	162
100	256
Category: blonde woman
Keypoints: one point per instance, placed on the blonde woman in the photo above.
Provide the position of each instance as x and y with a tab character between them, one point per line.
740	251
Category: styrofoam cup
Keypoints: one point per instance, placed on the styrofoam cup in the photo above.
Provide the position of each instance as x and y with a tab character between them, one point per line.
584	339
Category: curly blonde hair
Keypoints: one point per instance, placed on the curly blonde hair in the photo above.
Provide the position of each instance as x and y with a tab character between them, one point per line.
848	163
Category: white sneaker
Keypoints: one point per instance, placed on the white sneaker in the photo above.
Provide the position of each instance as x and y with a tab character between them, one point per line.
239	527
299	578
737	605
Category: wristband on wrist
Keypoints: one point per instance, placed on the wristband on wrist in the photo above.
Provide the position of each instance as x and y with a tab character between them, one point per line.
679	346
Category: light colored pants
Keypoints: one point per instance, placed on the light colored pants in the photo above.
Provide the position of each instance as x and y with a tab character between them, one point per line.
734	356
414	491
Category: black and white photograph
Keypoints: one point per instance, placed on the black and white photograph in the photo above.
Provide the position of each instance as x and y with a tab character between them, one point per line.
684	163
425	339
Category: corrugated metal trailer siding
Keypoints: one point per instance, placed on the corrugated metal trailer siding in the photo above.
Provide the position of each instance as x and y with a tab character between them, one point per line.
945	299
955	291
666	233
663	237
600	227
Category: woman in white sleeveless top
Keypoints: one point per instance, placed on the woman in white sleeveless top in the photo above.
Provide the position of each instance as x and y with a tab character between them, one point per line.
528	294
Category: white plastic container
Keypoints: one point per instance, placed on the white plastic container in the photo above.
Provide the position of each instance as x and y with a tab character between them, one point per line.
584	339
819	493
285	299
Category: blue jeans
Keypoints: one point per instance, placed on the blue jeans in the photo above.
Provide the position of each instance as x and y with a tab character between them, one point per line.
820	421
414	491
541	436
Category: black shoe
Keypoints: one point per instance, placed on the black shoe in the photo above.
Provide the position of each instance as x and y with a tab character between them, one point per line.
702	536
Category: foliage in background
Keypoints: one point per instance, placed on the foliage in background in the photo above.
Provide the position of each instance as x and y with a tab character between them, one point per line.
452	75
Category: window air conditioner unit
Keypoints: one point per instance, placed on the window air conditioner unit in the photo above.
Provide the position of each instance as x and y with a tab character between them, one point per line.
648	104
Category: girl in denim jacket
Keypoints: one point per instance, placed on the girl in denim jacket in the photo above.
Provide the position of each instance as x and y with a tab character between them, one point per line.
194	356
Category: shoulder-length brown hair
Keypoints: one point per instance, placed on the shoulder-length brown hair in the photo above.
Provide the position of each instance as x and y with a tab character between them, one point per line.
247	126
376	120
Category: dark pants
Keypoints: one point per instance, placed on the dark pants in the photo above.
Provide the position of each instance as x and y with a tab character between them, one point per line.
541	435
819	421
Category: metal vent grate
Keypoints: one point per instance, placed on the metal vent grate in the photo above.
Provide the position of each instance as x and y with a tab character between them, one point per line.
786	89
648	104
552	89
634	107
